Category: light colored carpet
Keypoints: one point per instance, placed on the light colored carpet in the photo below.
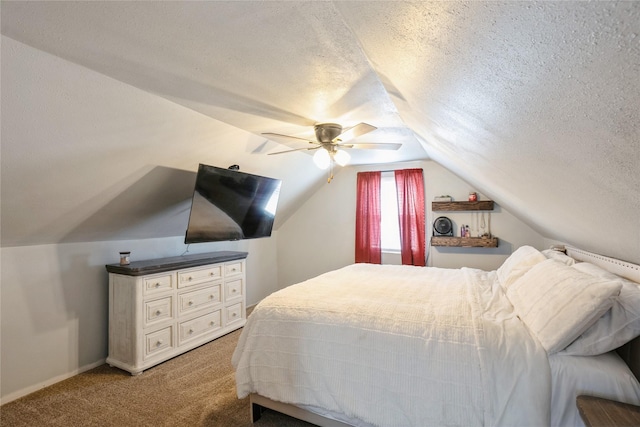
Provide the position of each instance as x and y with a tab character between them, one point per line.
193	389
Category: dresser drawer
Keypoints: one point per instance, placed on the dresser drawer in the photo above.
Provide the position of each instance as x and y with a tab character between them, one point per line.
198	299
233	289
157	284
199	326
158	342
159	310
233	313
233	268
199	275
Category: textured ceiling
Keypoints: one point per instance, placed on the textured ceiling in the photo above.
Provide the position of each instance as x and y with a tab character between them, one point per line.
535	104
259	66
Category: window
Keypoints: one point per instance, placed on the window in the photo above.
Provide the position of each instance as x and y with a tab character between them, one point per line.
390	229
388	221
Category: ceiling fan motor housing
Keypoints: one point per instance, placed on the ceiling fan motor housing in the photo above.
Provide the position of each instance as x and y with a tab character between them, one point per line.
327	132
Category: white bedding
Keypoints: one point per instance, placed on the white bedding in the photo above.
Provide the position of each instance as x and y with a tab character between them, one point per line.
397	346
605	375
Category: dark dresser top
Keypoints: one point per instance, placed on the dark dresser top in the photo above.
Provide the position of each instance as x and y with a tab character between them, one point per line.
599	412
159	265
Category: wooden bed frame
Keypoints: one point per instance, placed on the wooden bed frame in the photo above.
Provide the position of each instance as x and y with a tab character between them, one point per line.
630	352
260	403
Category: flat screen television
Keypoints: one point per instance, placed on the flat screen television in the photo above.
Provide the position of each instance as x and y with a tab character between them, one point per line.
231	205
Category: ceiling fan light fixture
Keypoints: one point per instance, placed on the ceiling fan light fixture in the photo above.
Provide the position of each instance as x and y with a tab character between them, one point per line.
329	144
322	159
341	157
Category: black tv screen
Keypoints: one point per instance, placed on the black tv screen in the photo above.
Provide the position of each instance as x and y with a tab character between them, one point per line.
231	205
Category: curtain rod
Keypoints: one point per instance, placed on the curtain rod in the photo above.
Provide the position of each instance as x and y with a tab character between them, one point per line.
392	170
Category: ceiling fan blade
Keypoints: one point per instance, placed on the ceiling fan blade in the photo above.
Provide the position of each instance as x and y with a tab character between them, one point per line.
297	149
278	135
373	146
355	131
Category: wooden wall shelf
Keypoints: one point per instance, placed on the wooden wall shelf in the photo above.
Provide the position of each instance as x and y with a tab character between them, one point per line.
480	205
464	242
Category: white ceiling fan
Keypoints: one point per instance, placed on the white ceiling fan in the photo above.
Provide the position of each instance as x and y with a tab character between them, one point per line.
332	138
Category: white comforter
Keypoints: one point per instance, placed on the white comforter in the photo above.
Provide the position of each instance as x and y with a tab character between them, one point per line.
396	346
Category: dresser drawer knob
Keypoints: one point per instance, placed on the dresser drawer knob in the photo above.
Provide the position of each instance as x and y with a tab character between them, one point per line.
213	323
211	274
234	314
234	290
190	278
159	343
157	284
190	302
190	331
158	312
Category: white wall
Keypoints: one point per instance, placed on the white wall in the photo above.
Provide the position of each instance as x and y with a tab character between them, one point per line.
55	300
88	158
510	231
320	236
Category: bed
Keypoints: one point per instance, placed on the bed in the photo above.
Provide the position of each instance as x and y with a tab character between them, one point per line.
383	345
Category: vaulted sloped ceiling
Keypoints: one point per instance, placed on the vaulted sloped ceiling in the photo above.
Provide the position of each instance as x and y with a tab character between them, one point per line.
535	104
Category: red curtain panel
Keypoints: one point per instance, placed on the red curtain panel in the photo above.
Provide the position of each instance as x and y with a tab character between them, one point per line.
368	246
410	189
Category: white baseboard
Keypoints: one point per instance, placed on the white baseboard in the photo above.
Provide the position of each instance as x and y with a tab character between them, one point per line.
20	393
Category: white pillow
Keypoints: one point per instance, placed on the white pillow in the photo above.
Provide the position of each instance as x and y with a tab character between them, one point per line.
517	264
559	256
558	303
617	326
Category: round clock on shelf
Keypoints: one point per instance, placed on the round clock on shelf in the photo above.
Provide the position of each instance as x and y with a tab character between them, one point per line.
442	226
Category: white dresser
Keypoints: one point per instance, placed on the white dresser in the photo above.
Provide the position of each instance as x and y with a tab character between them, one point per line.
161	308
